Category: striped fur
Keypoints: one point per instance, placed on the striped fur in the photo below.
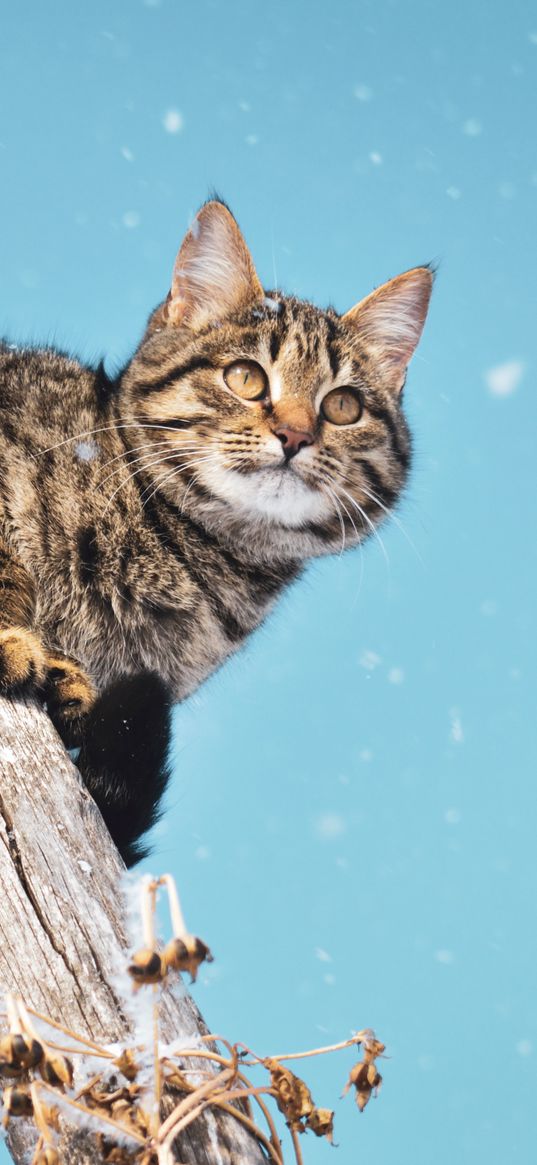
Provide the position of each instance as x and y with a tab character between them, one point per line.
153	520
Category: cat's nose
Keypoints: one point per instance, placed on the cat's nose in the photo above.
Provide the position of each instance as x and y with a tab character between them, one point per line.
293	440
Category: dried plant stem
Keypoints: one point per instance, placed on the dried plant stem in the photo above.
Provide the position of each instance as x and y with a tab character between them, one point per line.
253	1128
149	889
266	1111
155	1115
173	1124
39	1116
358	1038
176	913
92	1114
194	1053
88	1086
96	1049
296	1147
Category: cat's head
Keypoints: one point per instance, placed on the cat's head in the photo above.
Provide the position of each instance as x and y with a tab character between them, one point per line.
274	423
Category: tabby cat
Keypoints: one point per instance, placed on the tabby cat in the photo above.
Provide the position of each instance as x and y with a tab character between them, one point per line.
148	523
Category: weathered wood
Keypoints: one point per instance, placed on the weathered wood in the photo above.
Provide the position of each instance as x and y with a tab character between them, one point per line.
62	935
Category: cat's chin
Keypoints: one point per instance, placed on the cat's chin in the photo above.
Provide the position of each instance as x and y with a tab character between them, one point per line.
276	494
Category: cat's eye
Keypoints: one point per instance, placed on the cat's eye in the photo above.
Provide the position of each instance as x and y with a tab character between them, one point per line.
342	406
247	379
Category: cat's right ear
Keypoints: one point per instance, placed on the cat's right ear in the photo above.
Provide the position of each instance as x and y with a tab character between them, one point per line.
213	274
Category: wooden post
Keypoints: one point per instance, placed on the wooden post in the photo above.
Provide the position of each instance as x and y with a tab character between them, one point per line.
62	934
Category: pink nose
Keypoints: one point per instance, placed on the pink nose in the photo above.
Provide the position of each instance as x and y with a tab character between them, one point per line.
293	440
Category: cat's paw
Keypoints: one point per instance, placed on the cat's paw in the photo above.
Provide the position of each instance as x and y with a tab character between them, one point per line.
23	661
69	695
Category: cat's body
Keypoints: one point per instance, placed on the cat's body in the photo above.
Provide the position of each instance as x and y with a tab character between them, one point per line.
126	583
148	524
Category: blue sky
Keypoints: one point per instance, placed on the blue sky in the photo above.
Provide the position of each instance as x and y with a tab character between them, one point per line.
352	817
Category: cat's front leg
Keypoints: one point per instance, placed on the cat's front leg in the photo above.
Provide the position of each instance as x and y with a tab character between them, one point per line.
27	665
23	663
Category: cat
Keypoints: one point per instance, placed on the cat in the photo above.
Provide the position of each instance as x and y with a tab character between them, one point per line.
149	522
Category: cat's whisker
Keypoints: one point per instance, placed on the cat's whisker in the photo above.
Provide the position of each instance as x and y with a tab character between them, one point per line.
141	468
180	450
358	538
179	469
187	490
333	491
133	449
194	479
367	519
393	517
105	429
331	494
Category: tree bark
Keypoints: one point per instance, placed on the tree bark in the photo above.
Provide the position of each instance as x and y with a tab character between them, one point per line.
62	934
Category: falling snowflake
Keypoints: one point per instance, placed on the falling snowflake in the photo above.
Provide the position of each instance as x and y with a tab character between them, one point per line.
472	127
328	826
503	379
369	660
131	219
173	121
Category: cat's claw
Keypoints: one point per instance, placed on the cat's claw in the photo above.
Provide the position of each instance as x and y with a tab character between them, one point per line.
69	695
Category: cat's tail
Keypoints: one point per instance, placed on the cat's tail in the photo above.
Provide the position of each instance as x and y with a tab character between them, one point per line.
124	758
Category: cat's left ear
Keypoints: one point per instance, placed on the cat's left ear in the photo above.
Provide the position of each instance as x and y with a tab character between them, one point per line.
390	321
213	274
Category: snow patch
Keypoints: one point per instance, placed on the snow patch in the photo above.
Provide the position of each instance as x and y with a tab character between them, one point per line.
369	660
457	734
329	826
202	853
452	816
504	379
173	121
273	305
472	127
86	450
131	219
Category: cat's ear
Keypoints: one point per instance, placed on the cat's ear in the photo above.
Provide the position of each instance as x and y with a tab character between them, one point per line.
213	274
390	321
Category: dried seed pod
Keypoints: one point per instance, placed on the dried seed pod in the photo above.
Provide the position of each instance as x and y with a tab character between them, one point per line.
57	1071
293	1096
321	1122
366	1080
9	1069
186	954
22	1052
126	1062
373	1048
146	967
17	1102
113	1154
